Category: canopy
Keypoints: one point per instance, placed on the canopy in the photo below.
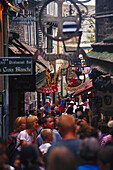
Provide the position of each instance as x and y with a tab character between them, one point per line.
87	87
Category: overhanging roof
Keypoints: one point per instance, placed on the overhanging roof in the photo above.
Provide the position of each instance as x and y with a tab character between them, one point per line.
102	61
19	48
105	56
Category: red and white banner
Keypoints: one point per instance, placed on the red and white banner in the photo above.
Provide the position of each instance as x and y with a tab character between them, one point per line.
48	89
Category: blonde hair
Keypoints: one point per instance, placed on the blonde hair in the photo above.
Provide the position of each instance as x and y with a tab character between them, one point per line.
66	122
45	133
19	120
56	108
30	120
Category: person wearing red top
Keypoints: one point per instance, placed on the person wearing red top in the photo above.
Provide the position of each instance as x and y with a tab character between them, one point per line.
19	125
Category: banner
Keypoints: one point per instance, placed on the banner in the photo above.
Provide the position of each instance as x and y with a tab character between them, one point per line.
85	85
48	89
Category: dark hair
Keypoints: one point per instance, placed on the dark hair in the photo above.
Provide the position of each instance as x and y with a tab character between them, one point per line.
58	112
45	119
106	156
87	131
104	128
52	107
30	156
89	149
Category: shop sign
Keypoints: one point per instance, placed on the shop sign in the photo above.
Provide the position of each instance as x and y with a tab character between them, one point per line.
48	89
16	66
23	18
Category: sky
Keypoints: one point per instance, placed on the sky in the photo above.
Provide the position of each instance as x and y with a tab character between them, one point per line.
92	2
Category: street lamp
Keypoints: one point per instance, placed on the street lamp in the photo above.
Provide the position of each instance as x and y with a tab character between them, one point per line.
69	28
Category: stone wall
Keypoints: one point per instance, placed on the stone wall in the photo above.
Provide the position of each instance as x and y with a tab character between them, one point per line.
104	22
13	27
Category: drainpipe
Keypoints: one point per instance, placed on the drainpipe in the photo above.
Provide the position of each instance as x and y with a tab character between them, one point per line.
6	80
96	25
1	77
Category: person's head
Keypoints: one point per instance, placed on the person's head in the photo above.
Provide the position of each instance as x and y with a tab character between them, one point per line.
106	158
20	124
71	103
79	114
40	104
60	97
56	108
60	158
32	122
41	113
104	128
50	113
30	157
56	122
3	156
48	122
85	130
33	112
42	109
66	123
110	124
57	103
26	113
47	104
58	112
47	135
52	108
89	149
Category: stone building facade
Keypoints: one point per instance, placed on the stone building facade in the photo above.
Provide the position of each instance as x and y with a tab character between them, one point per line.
104	19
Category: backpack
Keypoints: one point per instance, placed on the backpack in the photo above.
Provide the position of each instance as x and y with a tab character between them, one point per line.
12	147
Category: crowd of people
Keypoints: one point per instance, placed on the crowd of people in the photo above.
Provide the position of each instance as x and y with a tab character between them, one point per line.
58	138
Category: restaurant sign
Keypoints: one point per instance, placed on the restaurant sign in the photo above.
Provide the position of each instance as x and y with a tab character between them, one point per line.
16	66
48	89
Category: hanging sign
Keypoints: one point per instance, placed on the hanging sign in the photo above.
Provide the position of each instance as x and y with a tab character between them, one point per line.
63	71
75	75
72	77
48	89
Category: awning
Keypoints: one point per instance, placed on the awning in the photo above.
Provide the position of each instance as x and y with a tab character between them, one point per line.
87	86
102	61
22	50
40	76
39	59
